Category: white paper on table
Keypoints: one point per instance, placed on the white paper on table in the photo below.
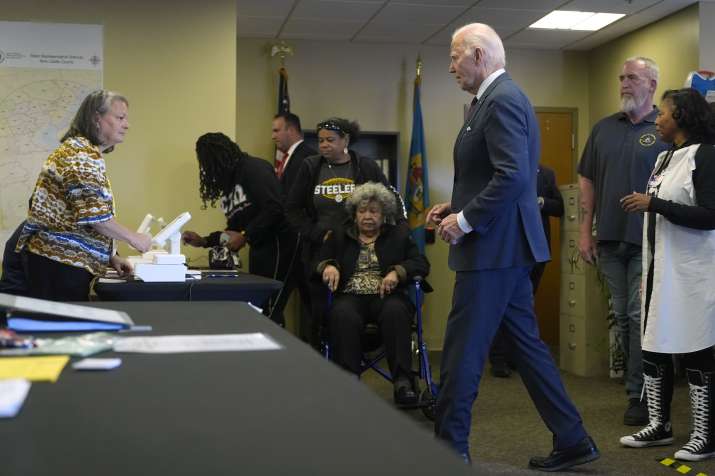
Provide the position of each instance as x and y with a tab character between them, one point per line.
97	364
12	396
197	343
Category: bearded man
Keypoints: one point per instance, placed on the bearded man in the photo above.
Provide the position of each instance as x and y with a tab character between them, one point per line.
618	159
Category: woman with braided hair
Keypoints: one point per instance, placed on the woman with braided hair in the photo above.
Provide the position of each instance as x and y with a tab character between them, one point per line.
250	196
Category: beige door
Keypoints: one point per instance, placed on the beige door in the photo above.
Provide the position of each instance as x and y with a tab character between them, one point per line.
557	152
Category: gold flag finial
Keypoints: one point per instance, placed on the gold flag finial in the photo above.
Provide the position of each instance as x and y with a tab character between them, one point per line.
282	50
419	65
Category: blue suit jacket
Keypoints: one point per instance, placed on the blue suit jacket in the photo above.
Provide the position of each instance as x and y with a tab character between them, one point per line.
496	157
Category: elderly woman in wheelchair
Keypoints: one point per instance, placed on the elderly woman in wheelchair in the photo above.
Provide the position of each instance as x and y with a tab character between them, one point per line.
368	265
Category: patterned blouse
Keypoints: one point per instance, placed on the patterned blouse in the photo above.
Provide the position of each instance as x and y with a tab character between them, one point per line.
367	278
71	193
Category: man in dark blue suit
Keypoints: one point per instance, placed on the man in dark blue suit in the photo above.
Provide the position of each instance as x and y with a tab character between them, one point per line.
494	227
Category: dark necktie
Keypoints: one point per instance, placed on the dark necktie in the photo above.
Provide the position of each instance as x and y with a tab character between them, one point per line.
472	107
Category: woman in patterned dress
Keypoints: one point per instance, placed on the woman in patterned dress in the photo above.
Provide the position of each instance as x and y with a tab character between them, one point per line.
70	229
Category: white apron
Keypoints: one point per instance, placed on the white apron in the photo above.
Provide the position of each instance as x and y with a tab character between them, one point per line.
681	315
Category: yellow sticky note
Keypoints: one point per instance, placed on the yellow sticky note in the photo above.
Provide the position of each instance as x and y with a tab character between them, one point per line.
45	368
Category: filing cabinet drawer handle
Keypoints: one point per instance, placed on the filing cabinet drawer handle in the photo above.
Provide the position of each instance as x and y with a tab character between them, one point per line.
572	217
572	346
572	328
572	285
572	302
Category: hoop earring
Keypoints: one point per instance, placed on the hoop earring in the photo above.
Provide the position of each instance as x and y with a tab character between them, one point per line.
345	150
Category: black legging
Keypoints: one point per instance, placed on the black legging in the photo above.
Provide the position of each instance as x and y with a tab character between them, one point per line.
702	360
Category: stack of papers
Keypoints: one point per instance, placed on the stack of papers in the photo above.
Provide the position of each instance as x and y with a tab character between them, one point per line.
12	396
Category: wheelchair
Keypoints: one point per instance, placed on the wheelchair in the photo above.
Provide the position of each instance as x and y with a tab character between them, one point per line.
374	353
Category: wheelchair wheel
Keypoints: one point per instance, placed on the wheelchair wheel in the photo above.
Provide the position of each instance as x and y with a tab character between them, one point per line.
428	404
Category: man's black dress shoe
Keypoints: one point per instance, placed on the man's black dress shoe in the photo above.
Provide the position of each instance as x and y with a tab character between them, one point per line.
581	453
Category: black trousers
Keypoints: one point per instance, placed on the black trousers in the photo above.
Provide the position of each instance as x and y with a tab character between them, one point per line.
393	314
49	279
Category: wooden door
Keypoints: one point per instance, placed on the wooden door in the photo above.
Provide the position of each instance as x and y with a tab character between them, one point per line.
557	152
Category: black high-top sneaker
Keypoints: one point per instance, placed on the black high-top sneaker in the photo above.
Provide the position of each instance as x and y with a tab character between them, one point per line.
700	446
658	382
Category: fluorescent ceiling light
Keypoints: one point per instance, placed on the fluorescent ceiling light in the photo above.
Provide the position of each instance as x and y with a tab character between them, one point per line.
573	20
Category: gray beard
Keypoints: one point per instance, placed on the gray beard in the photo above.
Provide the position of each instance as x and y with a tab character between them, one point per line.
628	104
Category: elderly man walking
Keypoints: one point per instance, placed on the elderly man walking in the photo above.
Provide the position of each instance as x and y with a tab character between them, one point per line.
495	231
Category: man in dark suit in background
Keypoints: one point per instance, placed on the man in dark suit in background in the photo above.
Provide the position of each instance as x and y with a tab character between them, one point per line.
496	236
551	204
288	137
287	134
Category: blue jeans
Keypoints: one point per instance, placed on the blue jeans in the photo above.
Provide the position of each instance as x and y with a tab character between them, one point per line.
620	264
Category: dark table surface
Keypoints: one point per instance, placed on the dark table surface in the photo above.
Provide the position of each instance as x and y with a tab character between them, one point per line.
241	413
245	287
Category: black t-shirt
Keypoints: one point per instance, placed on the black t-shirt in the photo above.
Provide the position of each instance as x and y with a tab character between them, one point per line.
335	185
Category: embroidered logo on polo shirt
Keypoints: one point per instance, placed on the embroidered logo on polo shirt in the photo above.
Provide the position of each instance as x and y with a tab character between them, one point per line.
647	140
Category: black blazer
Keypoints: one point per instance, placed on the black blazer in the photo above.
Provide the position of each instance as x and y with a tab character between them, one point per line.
395	249
553	201
291	171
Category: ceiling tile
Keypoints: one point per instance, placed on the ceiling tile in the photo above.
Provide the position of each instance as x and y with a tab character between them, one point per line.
444	37
543	5
438	3
258	27
401	33
495	17
263	8
319	29
332	10
549	39
396	13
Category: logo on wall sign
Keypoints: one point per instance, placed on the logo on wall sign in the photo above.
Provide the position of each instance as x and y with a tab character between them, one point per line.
647	140
2	57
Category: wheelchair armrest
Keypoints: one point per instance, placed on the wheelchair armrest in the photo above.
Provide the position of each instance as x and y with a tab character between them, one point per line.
422	282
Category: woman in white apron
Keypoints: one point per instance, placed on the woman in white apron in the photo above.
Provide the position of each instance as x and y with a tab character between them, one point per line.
678	308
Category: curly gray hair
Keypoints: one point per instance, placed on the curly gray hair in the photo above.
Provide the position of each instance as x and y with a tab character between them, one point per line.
372	192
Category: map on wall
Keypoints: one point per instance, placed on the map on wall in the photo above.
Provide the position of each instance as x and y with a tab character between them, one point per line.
46	69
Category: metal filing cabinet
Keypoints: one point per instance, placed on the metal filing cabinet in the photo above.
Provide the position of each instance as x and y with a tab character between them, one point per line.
583	326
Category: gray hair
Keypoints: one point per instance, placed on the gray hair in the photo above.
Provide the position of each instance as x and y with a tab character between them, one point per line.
481	35
84	123
372	192
650	65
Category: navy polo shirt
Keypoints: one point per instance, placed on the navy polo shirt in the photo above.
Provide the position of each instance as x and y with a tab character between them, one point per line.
619	158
